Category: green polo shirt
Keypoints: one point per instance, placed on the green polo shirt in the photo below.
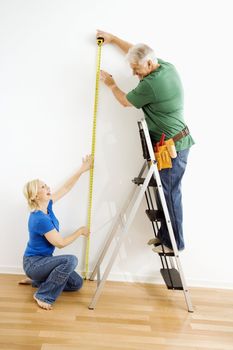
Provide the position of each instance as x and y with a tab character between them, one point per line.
160	95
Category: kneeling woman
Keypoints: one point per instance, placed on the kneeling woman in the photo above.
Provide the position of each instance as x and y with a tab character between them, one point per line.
50	274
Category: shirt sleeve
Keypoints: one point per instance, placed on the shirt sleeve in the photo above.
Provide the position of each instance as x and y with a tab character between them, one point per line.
141	95
43	225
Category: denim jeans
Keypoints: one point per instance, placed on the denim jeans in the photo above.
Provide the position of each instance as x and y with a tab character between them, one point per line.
52	275
171	182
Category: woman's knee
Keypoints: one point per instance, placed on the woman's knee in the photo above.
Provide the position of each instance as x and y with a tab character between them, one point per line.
79	282
74	283
72	260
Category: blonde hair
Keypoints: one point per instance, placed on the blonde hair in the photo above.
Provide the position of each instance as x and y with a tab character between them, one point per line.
141	53
30	191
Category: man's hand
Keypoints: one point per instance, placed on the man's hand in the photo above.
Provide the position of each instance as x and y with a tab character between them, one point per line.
108	38
107	79
119	94
112	39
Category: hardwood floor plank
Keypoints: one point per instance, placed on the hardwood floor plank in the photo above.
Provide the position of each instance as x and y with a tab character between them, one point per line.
128	316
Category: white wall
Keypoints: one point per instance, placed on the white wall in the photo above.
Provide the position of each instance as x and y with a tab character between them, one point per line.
47	85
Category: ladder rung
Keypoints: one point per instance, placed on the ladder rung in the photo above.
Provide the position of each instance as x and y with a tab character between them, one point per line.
155	215
140	181
172	278
167	254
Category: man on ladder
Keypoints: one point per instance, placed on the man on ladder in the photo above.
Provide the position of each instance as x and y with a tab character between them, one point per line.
160	95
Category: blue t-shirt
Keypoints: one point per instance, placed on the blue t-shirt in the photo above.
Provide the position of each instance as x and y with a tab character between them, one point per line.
40	223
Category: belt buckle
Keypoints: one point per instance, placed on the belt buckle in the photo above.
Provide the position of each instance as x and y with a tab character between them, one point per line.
185	131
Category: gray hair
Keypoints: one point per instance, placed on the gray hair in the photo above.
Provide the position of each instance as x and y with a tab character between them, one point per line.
141	53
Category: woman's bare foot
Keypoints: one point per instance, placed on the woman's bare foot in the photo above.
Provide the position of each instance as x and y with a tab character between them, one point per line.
26	281
43	304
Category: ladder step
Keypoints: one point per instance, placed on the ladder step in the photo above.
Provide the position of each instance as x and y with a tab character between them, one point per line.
172	279
155	215
140	181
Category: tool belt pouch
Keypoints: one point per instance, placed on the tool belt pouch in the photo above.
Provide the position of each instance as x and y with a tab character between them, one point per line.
171	148
163	158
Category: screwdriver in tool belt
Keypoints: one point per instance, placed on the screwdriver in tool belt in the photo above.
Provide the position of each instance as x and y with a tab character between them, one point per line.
161	142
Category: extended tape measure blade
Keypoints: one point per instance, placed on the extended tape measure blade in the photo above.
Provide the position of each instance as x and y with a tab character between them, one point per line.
100	41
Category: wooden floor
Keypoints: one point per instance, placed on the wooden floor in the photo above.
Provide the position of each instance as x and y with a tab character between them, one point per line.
128	316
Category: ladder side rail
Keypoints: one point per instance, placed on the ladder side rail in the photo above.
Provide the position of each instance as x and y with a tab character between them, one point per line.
166	213
114	229
98	276
106	246
121	238
118	222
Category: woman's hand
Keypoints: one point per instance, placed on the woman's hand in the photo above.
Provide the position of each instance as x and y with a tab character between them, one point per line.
87	163
84	231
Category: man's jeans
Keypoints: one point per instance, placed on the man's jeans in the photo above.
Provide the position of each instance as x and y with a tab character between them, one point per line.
52	275
171	182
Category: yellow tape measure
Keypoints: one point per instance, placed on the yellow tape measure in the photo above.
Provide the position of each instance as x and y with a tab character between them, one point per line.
99	43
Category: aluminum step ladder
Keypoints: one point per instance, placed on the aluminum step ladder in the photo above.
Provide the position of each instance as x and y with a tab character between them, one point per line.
157	211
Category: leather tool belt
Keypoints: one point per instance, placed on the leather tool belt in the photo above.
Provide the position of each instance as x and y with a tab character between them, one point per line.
166	150
181	134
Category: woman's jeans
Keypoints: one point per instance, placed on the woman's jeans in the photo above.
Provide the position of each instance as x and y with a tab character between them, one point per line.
52	275
171	182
